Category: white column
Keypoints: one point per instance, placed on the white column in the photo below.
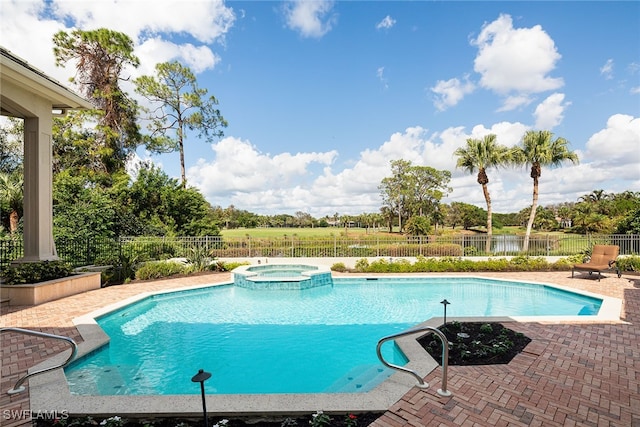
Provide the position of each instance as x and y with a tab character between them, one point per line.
38	197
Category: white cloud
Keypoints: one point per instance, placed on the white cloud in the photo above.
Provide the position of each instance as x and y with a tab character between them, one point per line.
382	78
450	92
607	69
514	102
617	147
29	32
310	18
267	184
507	133
206	21
550	112
240	166
515	60
157	50
386	23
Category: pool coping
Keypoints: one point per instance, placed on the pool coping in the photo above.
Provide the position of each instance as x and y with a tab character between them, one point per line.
50	390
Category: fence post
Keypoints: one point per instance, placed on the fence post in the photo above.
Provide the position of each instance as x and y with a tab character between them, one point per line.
88	253
463	248
548	245
335	246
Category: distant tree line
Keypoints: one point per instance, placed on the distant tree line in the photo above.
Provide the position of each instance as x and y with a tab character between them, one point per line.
620	215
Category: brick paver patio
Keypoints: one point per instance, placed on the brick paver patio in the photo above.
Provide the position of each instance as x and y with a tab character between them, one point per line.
569	375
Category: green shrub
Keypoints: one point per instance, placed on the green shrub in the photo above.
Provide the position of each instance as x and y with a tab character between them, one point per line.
486	328
418	226
628	263
527	263
566	263
339	266
227	266
494	264
362	265
390	266
454	264
123	270
470	251
35	272
160	269
199	258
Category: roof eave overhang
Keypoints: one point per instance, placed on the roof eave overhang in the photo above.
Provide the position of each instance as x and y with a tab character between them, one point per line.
21	74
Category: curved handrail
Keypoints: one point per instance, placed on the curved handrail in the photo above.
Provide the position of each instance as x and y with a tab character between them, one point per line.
18	388
445	357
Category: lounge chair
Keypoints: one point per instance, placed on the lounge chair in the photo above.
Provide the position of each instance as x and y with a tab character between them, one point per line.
603	258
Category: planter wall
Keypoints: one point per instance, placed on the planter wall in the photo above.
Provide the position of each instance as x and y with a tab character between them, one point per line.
39	293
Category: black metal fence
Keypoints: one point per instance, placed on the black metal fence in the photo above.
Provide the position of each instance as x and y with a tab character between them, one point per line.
80	252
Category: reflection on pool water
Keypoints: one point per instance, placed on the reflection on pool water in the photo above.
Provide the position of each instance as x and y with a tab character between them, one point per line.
315	340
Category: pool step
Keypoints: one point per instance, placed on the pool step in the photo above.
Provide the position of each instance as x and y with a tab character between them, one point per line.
359	379
109	381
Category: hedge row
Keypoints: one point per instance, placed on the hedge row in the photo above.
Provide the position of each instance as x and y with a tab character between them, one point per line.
452	264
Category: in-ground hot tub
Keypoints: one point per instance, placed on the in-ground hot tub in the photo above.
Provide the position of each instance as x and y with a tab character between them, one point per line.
282	276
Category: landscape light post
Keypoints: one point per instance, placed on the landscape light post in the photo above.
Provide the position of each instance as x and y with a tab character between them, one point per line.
445	303
201	377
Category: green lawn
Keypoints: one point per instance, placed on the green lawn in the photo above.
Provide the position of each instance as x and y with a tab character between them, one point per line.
329	232
298	232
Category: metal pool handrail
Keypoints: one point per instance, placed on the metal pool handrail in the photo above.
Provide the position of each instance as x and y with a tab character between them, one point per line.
18	388
445	357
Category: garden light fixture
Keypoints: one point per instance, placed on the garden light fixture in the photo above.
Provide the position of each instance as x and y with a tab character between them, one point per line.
201	377
445	303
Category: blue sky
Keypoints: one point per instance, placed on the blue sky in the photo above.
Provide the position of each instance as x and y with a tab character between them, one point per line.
321	96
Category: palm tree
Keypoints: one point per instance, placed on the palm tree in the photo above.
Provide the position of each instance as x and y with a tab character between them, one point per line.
594	196
481	154
11	194
538	149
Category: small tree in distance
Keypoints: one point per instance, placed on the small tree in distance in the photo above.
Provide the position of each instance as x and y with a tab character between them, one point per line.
178	104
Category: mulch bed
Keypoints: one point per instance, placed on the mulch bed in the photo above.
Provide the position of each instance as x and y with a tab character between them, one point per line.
476	343
350	420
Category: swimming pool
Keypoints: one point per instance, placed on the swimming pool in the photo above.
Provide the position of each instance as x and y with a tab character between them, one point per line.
310	341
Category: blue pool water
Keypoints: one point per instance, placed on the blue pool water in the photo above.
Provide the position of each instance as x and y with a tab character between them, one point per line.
289	341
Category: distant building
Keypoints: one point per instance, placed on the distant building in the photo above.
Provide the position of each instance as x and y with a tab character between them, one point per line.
564	222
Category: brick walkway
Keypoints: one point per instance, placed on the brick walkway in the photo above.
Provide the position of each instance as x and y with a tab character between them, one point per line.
569	375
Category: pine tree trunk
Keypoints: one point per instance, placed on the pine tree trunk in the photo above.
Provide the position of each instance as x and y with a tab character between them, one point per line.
183	174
